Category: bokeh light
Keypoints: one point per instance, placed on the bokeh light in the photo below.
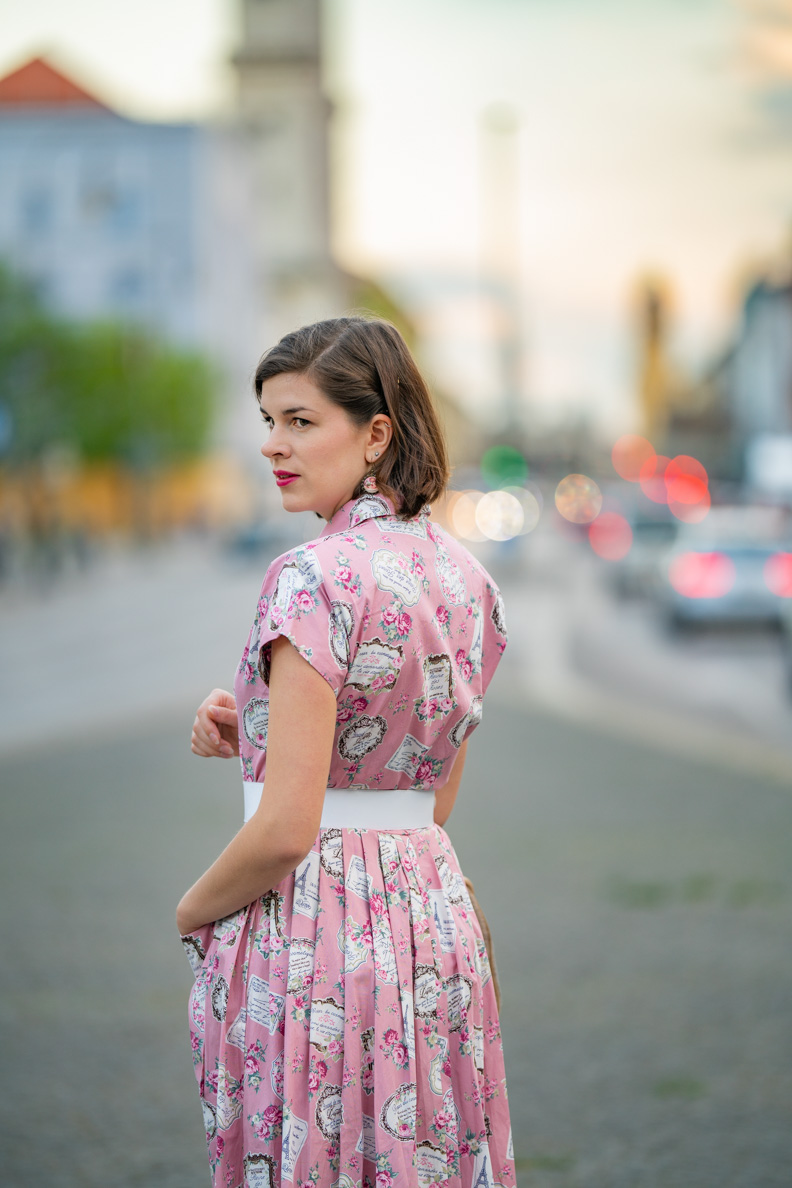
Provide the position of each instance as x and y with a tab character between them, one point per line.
578	498
499	515
629	454
691	513
702	575
686	480
531	502
461	512
504	466
610	536
778	574
651	476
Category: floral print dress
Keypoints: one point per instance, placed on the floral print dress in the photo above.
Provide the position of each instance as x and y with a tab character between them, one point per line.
344	1026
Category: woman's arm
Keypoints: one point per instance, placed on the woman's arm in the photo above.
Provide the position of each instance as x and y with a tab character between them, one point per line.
280	834
445	796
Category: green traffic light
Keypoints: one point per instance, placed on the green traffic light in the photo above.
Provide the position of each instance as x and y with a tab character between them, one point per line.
504	466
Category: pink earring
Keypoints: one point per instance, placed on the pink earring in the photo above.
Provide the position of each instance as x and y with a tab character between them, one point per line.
370	484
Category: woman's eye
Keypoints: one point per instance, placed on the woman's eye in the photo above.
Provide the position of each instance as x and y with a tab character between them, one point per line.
301	422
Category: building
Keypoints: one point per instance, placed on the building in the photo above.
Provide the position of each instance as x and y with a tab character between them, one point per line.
758	378
98	210
741	407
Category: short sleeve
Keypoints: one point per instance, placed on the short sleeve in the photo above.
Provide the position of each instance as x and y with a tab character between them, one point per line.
494	633
295	603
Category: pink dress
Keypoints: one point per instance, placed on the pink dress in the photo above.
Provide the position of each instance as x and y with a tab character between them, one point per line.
344	1027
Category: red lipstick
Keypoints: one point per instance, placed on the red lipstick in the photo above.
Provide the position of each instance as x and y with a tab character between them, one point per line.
284	477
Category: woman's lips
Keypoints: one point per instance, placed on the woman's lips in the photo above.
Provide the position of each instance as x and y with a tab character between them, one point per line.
283	477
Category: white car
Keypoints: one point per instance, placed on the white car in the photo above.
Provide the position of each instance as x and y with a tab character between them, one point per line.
734	567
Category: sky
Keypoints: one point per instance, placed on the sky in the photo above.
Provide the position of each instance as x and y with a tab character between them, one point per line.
652	136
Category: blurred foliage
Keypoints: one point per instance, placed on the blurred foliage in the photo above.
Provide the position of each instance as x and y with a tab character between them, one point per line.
103	390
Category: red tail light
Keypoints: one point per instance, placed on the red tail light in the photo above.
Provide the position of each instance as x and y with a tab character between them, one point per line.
778	574
702	575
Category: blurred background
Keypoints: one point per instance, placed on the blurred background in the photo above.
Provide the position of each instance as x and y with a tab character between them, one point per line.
580	216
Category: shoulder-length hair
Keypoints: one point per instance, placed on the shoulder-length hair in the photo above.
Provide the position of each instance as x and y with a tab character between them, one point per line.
365	366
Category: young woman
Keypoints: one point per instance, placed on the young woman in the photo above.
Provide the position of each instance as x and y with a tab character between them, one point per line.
343	1017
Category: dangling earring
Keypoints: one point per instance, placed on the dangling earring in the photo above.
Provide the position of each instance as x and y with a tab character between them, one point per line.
370	484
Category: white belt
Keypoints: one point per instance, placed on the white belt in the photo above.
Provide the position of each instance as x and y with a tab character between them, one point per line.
364	808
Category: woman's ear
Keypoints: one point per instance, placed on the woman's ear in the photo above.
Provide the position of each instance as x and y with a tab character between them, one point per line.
380	434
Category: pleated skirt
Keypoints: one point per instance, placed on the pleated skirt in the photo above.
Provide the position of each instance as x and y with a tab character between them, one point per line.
344	1027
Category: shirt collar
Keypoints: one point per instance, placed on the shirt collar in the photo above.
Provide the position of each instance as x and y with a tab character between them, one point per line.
357	511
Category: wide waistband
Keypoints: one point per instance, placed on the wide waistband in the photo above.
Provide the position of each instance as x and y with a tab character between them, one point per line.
364	808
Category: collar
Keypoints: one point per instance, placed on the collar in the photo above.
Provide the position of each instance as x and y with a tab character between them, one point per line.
357	511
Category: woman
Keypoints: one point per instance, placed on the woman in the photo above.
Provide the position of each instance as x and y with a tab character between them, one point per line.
343	1017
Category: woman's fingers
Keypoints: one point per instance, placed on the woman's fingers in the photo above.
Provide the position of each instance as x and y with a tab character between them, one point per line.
206	738
215	715
224	715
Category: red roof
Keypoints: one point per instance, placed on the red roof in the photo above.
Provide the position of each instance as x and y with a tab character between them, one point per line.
38	84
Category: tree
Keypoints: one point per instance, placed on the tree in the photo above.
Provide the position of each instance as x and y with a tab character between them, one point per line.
108	391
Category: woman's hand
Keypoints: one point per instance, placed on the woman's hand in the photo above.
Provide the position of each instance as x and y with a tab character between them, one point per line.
215	733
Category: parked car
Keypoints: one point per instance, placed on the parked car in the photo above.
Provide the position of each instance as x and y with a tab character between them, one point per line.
654	531
735	567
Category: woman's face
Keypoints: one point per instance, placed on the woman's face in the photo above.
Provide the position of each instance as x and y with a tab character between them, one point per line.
318	454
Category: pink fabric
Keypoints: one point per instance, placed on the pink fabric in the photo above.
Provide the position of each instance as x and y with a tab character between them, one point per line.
344	1026
405	625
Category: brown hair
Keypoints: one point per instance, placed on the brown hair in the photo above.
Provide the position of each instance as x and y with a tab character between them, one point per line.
364	365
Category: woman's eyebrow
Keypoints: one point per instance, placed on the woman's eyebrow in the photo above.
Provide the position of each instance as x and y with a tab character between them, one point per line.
288	412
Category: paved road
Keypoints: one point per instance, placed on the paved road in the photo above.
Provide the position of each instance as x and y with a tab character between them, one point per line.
640	900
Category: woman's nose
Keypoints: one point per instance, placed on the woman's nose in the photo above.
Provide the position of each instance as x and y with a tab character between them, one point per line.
273	445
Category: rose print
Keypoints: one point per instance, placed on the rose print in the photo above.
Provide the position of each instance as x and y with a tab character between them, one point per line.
464	665
268	1123
434	707
395	623
344	576
246	668
400	1055
395	1049
427	772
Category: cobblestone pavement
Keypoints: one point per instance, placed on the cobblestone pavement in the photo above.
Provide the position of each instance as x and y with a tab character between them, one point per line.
639	898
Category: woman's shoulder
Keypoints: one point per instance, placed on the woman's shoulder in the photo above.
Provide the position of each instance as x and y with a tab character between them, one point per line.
462	556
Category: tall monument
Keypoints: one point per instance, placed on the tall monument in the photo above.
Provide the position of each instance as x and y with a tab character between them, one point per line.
283	115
